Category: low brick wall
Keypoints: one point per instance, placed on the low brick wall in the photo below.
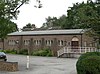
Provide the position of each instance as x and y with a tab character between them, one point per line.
8	66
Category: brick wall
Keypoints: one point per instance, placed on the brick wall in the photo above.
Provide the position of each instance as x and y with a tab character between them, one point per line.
54	46
8	66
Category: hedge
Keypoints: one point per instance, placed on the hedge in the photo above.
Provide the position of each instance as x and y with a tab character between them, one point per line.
89	54
9	51
42	52
88	63
23	51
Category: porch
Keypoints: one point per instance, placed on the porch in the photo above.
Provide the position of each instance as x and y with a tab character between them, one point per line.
71	52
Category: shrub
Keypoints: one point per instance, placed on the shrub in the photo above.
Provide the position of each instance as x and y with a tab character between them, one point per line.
42	52
50	54
13	52
9	51
23	51
1	50
89	54
88	63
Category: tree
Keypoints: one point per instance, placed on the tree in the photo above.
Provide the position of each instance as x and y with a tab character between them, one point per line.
6	27
9	8
29	27
80	16
39	4
55	22
60	21
86	16
50	22
8	11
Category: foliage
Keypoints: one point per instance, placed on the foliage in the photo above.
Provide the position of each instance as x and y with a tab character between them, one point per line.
6	26
23	51
89	63
9	8
29	27
39	4
80	16
8	12
43	52
89	54
54	22
9	51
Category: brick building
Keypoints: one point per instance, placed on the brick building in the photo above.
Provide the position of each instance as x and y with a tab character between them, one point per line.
52	39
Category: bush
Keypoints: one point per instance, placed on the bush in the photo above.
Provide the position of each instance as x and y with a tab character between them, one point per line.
49	54
89	54
23	51
1	50
42	52
88	63
13	52
9	51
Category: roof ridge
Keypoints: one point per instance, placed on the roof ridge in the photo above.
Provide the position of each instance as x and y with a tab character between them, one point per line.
44	32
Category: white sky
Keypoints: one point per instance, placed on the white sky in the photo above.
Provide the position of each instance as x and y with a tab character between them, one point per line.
30	14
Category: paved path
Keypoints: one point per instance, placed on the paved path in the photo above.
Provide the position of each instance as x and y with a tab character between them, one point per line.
43	65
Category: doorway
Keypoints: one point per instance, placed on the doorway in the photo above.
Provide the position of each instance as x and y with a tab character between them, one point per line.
75	43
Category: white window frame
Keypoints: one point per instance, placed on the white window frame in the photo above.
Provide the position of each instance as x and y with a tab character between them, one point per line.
26	42
11	42
37	42
48	42
85	44
60	42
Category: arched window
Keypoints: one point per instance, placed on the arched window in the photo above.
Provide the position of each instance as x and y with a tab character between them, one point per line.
75	39
49	42
60	42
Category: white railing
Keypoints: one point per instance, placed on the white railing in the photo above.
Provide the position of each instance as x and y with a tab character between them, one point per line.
75	50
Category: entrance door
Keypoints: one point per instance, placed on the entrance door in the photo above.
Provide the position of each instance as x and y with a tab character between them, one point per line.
75	44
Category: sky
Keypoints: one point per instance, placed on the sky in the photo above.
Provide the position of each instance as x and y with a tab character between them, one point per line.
53	8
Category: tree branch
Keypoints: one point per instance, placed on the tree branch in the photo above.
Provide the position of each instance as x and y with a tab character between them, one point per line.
18	7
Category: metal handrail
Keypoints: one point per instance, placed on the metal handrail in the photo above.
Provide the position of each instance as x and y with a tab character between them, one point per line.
75	50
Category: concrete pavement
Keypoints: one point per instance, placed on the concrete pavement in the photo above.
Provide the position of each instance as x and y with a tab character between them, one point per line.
43	65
